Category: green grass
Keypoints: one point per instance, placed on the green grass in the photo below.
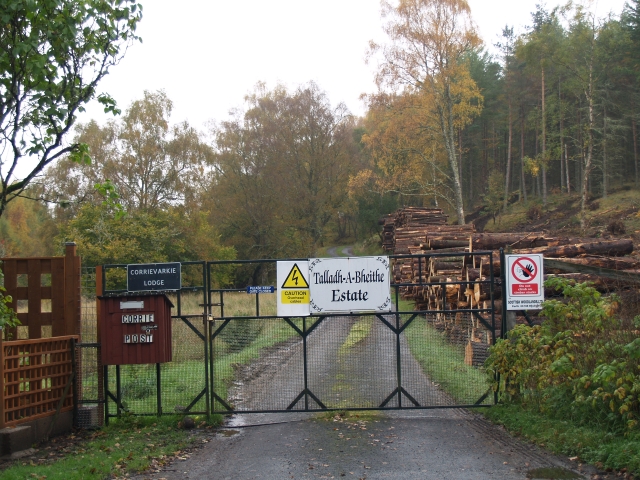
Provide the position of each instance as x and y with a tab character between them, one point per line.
442	361
444	364
127	446
359	331
591	444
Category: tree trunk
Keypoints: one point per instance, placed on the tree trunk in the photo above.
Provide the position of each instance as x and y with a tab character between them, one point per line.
604	154
589	157
544	146
566	163
508	175
449	137
635	147
523	185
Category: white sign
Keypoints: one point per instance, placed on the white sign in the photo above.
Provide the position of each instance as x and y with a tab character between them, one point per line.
524	283
354	284
293	289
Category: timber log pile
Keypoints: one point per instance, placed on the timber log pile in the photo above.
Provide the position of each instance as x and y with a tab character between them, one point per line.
420	231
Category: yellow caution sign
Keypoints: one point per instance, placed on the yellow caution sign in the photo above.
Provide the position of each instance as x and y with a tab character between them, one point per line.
295	296
295	279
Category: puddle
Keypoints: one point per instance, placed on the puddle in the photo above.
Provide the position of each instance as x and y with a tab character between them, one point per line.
227	433
552	473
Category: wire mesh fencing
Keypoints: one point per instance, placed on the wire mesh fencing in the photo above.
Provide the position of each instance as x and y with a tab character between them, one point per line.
89	370
343	362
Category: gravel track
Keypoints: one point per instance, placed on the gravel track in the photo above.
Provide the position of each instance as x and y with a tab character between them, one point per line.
408	444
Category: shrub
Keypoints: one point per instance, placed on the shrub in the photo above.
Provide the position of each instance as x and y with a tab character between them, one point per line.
582	361
534	212
616	227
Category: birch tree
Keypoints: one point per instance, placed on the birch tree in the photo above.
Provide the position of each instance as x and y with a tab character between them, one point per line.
428	41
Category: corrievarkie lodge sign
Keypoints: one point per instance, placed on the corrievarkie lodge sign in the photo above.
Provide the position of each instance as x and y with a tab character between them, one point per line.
150	277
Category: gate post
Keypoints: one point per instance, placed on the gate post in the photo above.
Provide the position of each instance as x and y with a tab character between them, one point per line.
72	293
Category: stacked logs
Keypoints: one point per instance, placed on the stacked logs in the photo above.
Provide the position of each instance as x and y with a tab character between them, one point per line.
460	272
402	229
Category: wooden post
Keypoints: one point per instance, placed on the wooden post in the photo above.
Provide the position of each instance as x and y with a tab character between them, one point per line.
72	311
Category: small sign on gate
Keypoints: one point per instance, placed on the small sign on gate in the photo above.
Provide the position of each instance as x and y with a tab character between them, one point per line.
253	289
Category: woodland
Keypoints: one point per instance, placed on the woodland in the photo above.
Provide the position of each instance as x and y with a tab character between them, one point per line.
553	110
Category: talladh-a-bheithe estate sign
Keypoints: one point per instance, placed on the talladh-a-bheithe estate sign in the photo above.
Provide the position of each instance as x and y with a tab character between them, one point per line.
354	284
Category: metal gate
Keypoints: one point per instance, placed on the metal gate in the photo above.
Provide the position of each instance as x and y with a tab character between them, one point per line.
176	387
427	353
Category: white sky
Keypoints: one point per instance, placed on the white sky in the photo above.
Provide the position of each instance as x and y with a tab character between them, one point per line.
207	54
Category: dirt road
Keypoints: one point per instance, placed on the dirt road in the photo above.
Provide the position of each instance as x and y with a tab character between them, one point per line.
415	444
435	444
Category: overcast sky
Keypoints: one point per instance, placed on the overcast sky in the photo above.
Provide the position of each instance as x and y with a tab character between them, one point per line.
207	54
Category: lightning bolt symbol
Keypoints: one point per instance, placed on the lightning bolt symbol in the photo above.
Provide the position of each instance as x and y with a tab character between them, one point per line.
294	277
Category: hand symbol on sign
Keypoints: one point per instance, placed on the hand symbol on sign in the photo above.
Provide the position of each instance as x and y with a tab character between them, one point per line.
527	271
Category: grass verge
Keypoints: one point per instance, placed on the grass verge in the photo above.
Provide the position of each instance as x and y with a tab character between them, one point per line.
444	364
130	445
591	445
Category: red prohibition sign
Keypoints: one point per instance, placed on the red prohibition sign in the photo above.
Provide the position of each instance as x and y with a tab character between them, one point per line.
524	270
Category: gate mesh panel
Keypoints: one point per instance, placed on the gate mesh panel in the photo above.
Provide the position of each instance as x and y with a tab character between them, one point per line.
436	367
352	363
88	367
258	364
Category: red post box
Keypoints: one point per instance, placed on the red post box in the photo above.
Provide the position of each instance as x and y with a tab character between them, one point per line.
135	329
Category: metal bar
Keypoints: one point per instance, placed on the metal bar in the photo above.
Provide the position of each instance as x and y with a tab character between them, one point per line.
159	389
483	321
355	409
398	360
105	376
195	400
206	280
388	399
503	275
407	323
483	397
257	305
315	325
526	316
118	390
207	340
384	320
406	394
316	399
294	326
304	360
224	404
219	329
296	400
190	325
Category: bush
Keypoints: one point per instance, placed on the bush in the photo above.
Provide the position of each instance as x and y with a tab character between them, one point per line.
616	227
7	315
582	362
534	212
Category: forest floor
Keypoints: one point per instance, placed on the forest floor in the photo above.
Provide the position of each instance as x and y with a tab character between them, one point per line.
616	216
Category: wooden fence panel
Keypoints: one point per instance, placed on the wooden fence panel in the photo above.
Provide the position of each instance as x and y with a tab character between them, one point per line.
56	280
35	374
